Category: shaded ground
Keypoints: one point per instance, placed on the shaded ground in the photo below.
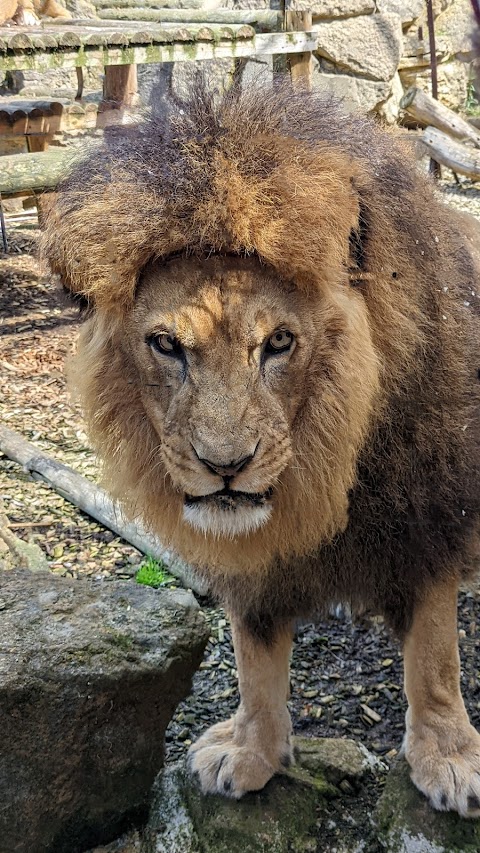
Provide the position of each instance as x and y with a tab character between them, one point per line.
346	679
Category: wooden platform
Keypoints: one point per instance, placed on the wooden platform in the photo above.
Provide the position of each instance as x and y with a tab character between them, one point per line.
33	117
83	44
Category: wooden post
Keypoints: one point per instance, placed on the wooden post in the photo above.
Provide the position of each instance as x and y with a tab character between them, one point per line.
300	64
119	94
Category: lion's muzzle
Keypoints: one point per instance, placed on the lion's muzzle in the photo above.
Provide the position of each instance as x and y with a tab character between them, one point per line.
227	512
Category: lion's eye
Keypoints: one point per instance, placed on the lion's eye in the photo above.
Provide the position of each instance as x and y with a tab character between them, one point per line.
166	344
280	341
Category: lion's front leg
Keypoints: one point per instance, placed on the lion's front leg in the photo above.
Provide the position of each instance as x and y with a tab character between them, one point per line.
243	753
441	746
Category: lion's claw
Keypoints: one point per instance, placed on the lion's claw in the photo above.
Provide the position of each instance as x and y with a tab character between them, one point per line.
230	770
449	777
225	766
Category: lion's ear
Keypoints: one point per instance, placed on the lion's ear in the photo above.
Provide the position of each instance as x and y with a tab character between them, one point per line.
78	300
55	248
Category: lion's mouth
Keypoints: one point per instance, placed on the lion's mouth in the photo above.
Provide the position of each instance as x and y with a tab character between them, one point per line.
229	500
228	513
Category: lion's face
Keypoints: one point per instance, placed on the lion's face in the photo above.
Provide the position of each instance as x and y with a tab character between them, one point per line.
224	354
230	406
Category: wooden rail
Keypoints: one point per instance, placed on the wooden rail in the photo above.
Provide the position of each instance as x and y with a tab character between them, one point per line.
84	45
116	44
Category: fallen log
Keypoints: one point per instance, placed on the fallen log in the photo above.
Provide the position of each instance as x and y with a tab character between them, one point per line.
208	5
428	112
40	171
461	159
264	18
94	502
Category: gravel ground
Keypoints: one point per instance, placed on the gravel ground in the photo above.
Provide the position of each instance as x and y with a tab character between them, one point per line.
346	679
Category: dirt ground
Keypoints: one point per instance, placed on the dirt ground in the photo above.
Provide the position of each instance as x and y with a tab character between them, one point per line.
346	679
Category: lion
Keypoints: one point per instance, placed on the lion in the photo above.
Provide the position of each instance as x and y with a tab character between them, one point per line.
280	368
28	12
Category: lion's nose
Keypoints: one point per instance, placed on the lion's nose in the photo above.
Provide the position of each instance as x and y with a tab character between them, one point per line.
229	470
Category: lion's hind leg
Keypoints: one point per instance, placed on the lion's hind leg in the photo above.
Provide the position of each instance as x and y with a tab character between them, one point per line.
243	753
441	746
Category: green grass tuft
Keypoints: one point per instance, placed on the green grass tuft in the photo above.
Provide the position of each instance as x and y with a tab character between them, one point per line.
153	573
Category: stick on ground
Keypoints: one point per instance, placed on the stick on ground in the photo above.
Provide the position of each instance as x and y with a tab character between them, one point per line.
92	500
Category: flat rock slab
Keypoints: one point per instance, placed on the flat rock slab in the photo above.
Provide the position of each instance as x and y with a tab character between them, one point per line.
407	824
295	813
369	45
90	674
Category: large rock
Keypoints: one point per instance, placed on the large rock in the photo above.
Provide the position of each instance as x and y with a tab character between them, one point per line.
407	824
370	45
90	674
409	10
356	93
295	813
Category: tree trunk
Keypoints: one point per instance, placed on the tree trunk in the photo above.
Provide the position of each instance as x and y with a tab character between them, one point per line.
428	112
457	157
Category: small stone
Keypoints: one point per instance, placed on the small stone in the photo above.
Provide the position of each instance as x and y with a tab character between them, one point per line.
370	713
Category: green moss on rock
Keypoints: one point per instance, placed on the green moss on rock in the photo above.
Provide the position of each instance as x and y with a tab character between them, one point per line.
408	824
280	819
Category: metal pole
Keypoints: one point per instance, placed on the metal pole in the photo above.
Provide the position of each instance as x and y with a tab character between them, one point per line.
434	166
3	226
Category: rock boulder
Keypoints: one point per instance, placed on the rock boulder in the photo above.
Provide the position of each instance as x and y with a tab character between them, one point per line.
369	45
90	674
407	824
300	811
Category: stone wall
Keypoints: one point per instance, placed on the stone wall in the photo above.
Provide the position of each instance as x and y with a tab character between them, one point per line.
453	28
369	52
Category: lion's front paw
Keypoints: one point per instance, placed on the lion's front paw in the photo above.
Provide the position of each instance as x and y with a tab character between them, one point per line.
230	762
446	767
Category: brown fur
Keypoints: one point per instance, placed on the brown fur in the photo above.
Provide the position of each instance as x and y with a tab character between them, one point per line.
266	212
258	738
381	491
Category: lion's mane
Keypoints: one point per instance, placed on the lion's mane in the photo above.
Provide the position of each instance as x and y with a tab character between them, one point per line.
309	190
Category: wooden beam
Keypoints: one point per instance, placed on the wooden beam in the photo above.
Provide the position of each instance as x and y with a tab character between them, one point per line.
266	19
159	4
218	46
34	171
300	64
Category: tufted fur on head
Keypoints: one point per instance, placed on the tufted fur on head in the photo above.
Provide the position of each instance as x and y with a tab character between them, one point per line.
231	216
